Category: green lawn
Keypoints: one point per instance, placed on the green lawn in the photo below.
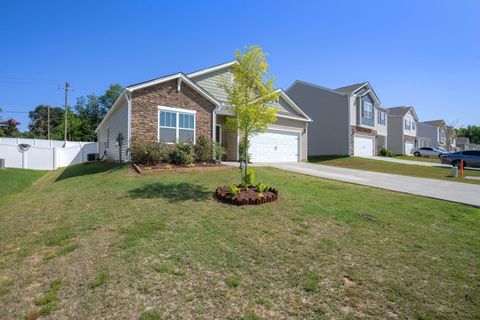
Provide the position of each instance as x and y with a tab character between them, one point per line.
15	180
423	159
392	167
97	241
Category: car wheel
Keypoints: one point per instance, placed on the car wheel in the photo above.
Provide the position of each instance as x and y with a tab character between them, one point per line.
416	154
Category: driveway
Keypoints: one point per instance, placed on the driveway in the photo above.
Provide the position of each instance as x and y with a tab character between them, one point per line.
438	189
418	163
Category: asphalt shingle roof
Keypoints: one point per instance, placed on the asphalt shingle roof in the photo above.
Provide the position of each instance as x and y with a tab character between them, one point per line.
350	88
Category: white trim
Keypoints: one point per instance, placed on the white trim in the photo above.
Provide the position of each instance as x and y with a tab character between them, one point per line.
291	117
176	110
192	84
292	103
212	69
177	128
282	128
129	124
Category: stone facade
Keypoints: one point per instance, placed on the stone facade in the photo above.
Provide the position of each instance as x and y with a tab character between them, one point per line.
409	138
360	131
145	102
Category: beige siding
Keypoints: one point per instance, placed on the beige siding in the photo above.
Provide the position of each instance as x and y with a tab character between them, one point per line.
116	123
213	84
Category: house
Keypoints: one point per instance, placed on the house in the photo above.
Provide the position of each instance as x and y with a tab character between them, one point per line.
182	107
346	121
462	143
402	129
432	134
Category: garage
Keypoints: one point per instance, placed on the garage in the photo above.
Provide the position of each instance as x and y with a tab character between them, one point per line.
275	146
363	146
408	147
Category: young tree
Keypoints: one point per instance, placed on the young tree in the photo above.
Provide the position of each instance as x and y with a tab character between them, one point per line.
248	94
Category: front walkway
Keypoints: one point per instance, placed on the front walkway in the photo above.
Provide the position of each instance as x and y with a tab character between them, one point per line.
452	191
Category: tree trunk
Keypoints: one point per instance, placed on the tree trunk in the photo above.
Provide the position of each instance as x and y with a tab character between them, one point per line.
245	156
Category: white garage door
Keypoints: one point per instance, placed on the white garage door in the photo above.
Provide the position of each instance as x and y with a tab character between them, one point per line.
362	146
275	146
408	147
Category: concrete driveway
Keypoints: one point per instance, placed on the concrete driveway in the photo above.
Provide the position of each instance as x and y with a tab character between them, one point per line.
413	161
438	189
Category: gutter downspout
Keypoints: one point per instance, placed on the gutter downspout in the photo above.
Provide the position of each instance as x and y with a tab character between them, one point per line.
128	96
349	127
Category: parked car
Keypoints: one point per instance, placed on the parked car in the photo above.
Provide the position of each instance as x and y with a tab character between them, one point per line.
427	152
471	158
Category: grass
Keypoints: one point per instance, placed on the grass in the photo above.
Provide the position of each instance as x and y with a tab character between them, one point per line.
394	168
15	180
422	159
161	247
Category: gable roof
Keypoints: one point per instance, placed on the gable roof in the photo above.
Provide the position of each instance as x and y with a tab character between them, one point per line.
402	111
176	76
351	88
212	69
292	103
436	123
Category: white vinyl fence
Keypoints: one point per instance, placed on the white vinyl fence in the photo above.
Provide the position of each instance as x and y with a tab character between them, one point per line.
44	154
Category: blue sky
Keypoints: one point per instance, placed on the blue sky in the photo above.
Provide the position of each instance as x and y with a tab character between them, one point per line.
420	53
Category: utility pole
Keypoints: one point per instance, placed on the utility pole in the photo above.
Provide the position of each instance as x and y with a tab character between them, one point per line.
67	87
48	121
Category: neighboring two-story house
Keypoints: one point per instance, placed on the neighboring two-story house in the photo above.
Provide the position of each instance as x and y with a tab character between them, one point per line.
346	121
432	134
402	129
182	107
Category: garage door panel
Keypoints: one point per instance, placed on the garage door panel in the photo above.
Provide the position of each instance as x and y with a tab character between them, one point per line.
275	146
408	147
363	146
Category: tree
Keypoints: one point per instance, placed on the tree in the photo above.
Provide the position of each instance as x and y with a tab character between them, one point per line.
472	132
110	96
9	127
38	126
2	134
248	94
450	133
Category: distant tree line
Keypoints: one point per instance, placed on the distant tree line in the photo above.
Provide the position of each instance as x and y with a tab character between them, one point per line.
83	118
472	132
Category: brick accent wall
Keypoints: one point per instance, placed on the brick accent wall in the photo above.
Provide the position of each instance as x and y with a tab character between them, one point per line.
361	131
145	102
409	138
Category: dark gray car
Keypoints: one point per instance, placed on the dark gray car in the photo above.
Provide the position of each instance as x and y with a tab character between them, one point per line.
471	158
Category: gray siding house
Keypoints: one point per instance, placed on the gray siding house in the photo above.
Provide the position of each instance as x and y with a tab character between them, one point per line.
402	129
432	134
346	121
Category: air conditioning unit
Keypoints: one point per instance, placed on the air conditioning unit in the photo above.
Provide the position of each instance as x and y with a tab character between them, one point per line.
92	157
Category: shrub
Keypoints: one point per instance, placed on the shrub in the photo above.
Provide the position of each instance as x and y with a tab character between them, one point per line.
205	148
233	190
386	153
261	187
249	179
150	152
182	154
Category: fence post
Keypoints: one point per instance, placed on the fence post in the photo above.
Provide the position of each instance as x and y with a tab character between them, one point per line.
55	158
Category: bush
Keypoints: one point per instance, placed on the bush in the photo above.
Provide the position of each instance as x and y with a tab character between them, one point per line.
149	152
183	154
205	148
386	153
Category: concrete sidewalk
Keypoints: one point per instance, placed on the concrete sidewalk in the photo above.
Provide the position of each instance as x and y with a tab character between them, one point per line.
452	191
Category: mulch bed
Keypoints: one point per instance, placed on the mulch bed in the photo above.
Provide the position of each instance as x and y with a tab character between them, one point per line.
165	167
247	196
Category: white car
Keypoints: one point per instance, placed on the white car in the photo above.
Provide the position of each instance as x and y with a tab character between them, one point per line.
427	152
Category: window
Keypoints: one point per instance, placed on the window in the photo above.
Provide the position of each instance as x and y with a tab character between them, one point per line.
381	117
367	110
176	125
407	124
413	125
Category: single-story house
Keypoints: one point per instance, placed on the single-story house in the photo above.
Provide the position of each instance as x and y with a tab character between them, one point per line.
181	107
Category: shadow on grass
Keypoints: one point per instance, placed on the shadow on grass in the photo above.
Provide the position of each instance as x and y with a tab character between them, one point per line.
84	169
325	158
173	192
